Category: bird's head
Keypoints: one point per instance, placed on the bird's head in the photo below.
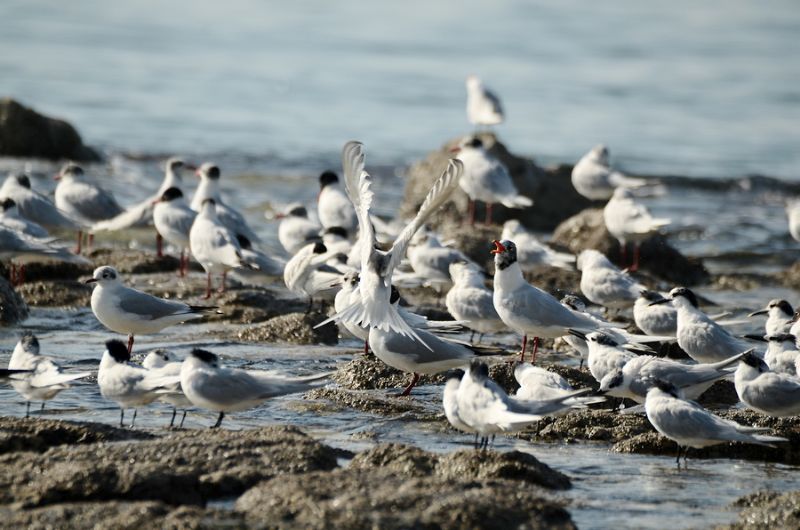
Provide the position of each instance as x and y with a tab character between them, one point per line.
505	253
105	275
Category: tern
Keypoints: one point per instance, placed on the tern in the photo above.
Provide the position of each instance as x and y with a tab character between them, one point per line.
630	222
604	284
539	385
167	363
333	206
531	253
793	213
765	391
296	230
483	106
470	301
11	219
779	316
605	354
658	319
431	260
593	178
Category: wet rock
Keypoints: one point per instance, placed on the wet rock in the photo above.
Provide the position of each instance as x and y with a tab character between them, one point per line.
378	498
250	306
744	281
790	277
38	435
721	393
551	190
133	261
593	425
369	372
186	467
373	402
767	510
55	270
26	133
65	293
587	230
12	306
296	328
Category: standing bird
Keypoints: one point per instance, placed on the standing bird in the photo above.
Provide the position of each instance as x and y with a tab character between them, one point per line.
793	212
21	249
333	206
470	301
630	222
779	316
11	219
765	391
46	377
308	273
173	220
593	178
483	106
220	389
431	260
296	230
35	206
538	385
605	354
262	266
209	188
167	363
659	319
125	310
83	201
531	253
604	284
486	179
450	402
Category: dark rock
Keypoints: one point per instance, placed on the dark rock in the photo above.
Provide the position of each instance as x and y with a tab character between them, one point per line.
55	270
133	261
588	230
373	402
297	328
767	510
250	306
65	293
595	425
26	133
12	306
790	277
369	372
721	393
551	190
27	434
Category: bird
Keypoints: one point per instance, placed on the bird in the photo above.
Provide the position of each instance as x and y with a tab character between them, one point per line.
605	354
659	319
593	177
11	219
336	240
262	266
781	353
35	206
450	402
483	106
129	385
539	385
470	301
167	363
82	200
486	179
431	260
348	294
215	246
604	284
308	274
46	378
125	310
690	425
21	249
531	253
765	391
296	230
779	316
699	336
173	220
333	206
217	388
209	188
793	213
630	222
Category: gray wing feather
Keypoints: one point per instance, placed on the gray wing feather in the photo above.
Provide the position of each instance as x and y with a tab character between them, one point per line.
149	306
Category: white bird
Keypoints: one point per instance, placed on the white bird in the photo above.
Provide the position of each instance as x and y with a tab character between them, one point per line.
82	200
348	294
35	206
296	230
780	315
308	273
765	391
125	310
539	385
483	106
173	220
486	179
470	301
11	219
690	425
21	249
605	354
262	267
46	377
209	189
531	253
630	222
336	240
168	363
604	284
333	206
593	178
793	212
431	260
129	385
781	353
450	402
221	389
659	319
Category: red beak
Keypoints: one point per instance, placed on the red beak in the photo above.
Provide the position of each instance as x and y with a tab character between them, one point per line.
498	247
154	202
455	149
57	176
190	167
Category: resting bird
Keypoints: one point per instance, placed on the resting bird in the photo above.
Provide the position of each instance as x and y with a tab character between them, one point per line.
630	222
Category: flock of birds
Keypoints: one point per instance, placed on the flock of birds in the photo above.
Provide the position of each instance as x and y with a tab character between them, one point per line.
357	261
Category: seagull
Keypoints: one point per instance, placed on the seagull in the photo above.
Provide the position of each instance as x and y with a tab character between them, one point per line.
167	363
308	273
23	249
782	353
690	425
11	219
779	316
604	284
173	220
630	222
215	246
127	384
431	260
377	266
220	389
125	310
531	253
483	106
486	179
539	385
659	319
46	377
593	178
35	206
209	189
82	200
450	402
470	301
637	375
765	391
296	230
262	267
699	336
793	212
333	206
605	354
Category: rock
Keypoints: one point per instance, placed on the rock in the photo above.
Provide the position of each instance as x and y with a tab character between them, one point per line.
187	467
12	306
65	293
38	435
250	306
55	270
591	424
551	190
296	328
369	372
767	510
373	402
133	261
790	277
587	230
26	133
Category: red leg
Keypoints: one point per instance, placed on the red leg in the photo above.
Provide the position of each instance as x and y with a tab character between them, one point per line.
635	266
414	381
12	274
623	255
471	210
208	286
182	267
224	277
80	240
366	347
90	242
130	344
535	349
21	274
524	345
488	213
159	245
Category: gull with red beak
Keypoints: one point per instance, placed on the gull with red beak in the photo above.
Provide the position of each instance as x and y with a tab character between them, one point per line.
209	188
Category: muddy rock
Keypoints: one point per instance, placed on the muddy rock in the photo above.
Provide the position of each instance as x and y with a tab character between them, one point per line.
64	293
587	230
790	277
38	435
590	424
12	306
767	510
378	498
56	270
133	261
250	306
374	402
369	372
26	133
551	190
296	328
188	467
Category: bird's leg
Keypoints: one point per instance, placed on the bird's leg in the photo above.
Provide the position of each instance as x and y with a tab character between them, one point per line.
172	421
28	409
488	214
310	305
159	246
476	441
524	345
208	286
493	437
535	349
182	419
21	274
635	266
686	455
41	410
133	421
80	240
181	272
580	367
89	242
121	416
678	456
219	421
414	381
471	336
12	274
130	344
366	347
471	212
480	338
623	254
222	286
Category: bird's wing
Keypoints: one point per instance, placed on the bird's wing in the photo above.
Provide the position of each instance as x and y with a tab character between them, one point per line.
150	307
494	100
357	183
94	203
137	215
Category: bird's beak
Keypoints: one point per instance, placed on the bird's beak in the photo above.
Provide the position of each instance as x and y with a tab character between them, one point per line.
576	333
498	247
279	216
601	392
759	312
57	176
455	149
197	172
155	201
190	167
91	280
753	336
662	301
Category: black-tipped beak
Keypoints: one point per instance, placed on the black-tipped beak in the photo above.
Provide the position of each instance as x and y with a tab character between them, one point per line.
662	301
760	312
752	336
91	280
576	333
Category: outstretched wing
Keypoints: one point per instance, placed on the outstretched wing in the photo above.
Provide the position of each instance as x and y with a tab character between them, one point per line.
357	184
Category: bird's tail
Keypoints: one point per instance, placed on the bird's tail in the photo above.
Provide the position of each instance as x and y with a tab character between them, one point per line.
516	201
763	439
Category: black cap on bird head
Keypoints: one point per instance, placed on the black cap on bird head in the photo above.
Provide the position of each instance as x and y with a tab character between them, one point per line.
298	211
213	172
244	242
783	305
505	253
475	142
205	356
320	248
479	369
686	293
209	201
616	380
394	296
458	373
605	340
118	350
782	337
23	180
7	204
337	231
651	296
30	342
170	194
751	359
665	386
327	178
